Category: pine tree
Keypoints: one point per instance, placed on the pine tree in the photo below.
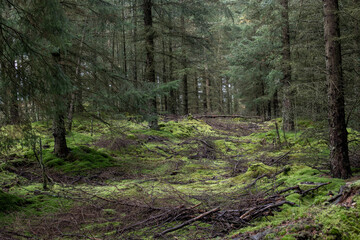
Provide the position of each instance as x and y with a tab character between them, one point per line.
340	164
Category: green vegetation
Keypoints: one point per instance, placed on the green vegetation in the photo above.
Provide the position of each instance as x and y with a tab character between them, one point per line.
80	160
185	162
10	202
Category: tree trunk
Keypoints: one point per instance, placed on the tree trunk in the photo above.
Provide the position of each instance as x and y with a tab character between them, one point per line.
287	110
275	103
207	93
164	74
59	132
172	99
14	105
228	96
196	94
135	67
60	147
124	39
150	63
339	156
184	63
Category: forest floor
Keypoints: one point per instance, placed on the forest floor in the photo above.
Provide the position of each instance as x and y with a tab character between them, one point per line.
220	178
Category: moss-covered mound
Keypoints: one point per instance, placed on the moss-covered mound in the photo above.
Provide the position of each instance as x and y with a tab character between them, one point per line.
80	160
9	202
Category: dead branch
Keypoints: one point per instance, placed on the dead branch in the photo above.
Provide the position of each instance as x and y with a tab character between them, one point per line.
257	179
313	189
255	214
189	221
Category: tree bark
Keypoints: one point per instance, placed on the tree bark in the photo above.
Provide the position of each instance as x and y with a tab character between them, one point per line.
207	93
339	156
184	63
59	132
287	110
60	147
275	103
172	101
135	67
196	94
124	39
14	105
150	63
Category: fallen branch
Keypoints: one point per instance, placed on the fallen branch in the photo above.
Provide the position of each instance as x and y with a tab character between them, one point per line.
280	158
313	189
268	207
188	222
254	182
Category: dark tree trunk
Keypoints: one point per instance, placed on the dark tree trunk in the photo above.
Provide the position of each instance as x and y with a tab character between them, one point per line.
207	92
228	96
164	75
184	63
268	115
150	63
71	112
124	39
14	105
287	110
172	101
275	103
339	156
60	147
59	132
186	94
135	67
196	94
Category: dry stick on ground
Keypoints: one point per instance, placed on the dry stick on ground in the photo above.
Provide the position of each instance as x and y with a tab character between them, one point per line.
180	210
301	192
254	182
253	214
188	222
281	157
264	175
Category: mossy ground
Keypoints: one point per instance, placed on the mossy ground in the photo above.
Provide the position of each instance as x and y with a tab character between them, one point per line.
115	173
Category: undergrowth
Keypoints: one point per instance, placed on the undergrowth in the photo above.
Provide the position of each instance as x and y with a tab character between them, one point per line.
187	161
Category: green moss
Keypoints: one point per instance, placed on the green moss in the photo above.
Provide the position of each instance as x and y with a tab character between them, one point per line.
171	167
186	128
9	202
80	160
255	170
289	237
339	222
